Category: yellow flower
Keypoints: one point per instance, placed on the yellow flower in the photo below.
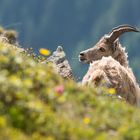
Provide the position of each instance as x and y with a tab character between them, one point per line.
2	121
15	80
61	99
111	91
44	52
27	83
86	120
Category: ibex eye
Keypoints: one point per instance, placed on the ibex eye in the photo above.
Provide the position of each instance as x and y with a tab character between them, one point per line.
102	49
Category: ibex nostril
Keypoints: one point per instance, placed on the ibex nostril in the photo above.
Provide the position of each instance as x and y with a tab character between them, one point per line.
81	54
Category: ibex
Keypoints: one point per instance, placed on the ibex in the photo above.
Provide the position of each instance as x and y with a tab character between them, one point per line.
109	65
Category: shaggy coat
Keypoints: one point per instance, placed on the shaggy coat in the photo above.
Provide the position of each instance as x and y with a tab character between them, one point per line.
108	72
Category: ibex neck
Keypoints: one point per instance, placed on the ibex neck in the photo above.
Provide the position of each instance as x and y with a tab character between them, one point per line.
121	56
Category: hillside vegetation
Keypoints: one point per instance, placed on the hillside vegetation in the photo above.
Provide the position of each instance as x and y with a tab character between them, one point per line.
37	104
74	24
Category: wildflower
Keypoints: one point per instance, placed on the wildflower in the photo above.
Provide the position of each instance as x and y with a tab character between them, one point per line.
61	99
15	80
59	89
27	83
86	120
44	52
111	91
2	121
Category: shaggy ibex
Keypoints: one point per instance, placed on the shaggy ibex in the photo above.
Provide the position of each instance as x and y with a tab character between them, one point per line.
109	65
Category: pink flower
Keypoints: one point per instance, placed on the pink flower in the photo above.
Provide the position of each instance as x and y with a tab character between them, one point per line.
59	89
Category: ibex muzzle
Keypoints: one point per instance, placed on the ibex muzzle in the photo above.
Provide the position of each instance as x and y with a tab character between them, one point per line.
106	45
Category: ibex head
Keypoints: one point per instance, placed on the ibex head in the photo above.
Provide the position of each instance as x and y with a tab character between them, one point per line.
106	45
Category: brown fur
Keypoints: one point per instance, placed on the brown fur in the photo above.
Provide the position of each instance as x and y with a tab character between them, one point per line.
113	75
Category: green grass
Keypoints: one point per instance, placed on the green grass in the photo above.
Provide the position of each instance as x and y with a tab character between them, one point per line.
36	103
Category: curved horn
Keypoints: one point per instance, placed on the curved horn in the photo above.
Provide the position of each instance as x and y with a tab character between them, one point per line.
117	31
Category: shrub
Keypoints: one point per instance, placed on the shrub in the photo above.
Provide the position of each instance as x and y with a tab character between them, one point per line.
36	103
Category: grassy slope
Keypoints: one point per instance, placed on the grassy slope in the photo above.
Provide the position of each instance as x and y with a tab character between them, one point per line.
35	103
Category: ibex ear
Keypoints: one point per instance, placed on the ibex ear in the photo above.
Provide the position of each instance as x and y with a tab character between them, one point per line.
107	37
115	44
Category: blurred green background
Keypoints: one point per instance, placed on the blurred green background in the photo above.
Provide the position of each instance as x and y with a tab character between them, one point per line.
74	24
